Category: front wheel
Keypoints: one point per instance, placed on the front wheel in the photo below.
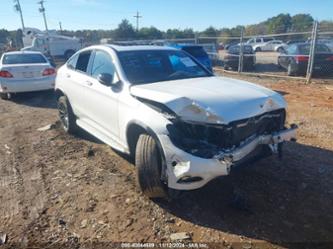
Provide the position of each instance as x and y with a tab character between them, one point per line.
148	161
66	115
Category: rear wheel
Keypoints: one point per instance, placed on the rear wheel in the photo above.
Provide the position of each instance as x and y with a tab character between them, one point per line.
148	161
258	50
4	96
66	115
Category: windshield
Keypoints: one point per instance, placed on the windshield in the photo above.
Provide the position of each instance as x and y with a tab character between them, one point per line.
23	59
142	67
320	48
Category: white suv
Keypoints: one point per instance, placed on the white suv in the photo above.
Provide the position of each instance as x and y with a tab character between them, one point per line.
183	125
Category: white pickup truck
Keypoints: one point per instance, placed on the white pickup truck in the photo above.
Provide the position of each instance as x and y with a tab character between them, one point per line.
54	45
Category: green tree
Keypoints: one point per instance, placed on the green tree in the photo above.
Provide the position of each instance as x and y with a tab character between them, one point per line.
4	35
210	32
302	22
125	31
179	34
150	33
279	24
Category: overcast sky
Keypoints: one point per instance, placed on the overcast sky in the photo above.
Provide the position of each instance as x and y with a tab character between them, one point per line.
163	14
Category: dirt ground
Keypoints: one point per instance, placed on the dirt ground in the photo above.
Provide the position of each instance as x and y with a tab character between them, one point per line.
57	189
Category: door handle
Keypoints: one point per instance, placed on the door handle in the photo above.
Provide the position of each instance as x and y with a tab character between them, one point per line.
89	83
68	75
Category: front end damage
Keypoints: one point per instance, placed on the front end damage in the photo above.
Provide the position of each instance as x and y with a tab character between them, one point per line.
196	153
212	124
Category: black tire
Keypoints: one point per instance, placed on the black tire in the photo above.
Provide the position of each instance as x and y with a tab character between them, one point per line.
148	161
290	70
66	115
68	54
258	50
4	96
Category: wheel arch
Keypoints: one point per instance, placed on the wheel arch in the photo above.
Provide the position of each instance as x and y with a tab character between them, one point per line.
133	131
58	93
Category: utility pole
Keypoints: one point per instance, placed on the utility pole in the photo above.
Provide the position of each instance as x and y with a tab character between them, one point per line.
137	16
18	8
312	52
42	10
60	26
241	52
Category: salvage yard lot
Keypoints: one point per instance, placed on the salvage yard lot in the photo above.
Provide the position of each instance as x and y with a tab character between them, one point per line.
57	188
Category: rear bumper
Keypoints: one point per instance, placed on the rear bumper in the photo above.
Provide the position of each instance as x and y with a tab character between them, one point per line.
182	165
320	68
17	86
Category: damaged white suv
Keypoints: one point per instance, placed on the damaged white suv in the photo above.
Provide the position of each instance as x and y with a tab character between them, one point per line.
183	125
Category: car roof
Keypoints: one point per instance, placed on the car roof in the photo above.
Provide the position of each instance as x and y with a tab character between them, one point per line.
22	52
186	46
135	48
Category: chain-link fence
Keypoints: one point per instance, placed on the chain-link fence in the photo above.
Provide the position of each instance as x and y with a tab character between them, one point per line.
294	54
301	55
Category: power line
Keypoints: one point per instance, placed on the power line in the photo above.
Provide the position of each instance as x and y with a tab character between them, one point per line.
137	16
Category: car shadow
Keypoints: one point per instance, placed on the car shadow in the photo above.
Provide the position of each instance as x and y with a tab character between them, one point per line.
41	99
280	201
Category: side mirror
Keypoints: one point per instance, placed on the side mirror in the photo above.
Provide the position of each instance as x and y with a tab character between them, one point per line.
105	79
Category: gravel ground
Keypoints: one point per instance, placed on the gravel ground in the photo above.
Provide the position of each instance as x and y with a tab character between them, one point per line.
70	191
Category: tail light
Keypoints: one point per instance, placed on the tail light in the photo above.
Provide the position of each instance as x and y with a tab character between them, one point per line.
5	74
49	71
330	58
302	58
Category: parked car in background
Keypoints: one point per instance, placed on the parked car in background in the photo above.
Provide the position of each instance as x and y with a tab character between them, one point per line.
273	45
258	40
220	46
197	52
231	59
232	43
296	58
183	125
212	51
327	42
290	42
25	72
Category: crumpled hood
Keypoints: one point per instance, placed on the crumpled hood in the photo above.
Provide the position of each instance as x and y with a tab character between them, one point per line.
216	100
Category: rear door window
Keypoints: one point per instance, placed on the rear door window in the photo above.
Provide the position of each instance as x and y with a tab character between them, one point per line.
83	61
268	39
